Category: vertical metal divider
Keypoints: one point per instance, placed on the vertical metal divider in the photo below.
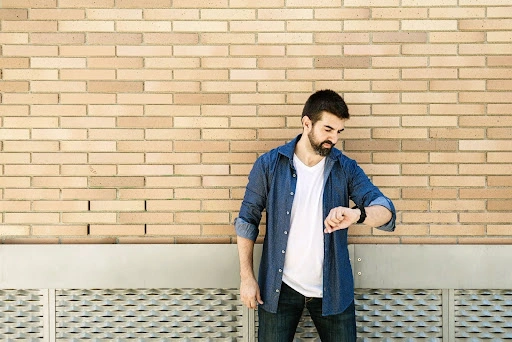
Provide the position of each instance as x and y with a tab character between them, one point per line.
249	319
448	315
49	315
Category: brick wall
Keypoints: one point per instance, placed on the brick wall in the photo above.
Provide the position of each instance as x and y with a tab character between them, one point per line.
122	124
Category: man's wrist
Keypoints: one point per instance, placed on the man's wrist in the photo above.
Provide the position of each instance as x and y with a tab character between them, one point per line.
362	215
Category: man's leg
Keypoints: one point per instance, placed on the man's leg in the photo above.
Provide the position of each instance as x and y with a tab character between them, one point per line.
334	328
281	326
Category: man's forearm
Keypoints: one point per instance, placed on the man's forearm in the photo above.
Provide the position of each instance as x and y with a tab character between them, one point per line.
245	253
377	215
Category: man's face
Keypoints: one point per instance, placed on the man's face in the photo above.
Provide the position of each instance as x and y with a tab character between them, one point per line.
323	135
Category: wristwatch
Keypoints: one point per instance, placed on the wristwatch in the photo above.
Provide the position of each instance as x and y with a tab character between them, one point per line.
362	217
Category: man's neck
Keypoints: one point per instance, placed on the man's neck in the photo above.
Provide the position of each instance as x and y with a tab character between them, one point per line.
305	152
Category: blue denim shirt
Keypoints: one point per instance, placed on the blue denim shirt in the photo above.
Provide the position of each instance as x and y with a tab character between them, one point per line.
271	186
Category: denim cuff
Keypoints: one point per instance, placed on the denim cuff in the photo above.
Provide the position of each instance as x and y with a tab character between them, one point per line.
245	229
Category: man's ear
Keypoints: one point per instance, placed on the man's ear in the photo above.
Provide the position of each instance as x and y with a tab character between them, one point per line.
306	122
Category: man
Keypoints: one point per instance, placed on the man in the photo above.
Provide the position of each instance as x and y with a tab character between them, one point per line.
305	186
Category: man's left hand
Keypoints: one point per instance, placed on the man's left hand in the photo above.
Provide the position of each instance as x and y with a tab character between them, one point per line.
341	218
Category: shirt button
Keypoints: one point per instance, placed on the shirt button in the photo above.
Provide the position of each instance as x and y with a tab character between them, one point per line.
285	232
294	175
291	193
282	251
280	270
287	213
277	290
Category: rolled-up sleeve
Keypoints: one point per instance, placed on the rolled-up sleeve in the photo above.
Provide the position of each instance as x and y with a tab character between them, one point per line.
254	202
386	203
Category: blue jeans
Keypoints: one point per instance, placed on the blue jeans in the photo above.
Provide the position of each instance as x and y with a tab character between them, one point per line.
281	326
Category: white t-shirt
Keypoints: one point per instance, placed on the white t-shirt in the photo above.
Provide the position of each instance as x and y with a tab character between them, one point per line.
303	265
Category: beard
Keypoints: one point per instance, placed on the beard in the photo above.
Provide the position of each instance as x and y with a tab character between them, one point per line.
318	147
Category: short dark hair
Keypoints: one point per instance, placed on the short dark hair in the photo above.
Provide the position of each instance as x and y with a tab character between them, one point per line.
325	101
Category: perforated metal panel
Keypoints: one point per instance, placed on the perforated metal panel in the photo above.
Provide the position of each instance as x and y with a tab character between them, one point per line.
394	315
149	314
21	315
483	315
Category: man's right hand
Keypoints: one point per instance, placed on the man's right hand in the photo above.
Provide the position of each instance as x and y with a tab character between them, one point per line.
250	293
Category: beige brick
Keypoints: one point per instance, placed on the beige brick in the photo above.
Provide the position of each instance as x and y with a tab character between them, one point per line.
228	14
114	38
135	51
499	60
145	194
457	12
77	74
199	146
114	14
489	145
59	206
14	158
114	62
201	169
499	229
88	194
403	157
116	158
345	62
28	122
499	205
145	170
172	158
88	146
59	158
89	218
332	38
173	63
14	206
457	230
485	24
60	230
13	87
486	96
399	133
499	85
228	86
285	13
58	63
416	12
57	134
146	218
429	217
177	134
499	157
12	230
170	38
39	170
87	26
432	97
57	86
21	218
13	63
201	98
371	74
87	122
429	25
146	146
57	13
485	49
486	217
200	122
429	145
201	217
457	205
405	181
29	26
429	49
257	26
456	133
466	181
371	25
486	193
88	170
460	157
256	50
459	37
429	169
57	38
144	98
482	121
205	194
487	169
117	205
435	121
28	50
13	38
147	4
174	230
171	14
87	51
114	86
30	146
85	98
322	13
431	193
308	50
127	74
13	14
31	194
116	230
229	158
499	133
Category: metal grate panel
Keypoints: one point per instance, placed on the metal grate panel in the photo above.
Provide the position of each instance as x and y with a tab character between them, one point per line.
483	315
149	314
399	315
21	315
